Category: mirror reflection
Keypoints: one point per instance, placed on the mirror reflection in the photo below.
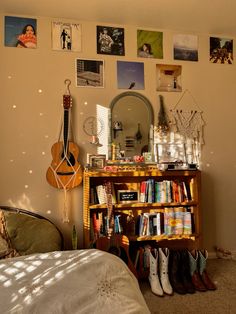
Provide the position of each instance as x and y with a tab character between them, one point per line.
131	119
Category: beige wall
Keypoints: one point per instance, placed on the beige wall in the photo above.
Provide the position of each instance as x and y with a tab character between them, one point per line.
33	126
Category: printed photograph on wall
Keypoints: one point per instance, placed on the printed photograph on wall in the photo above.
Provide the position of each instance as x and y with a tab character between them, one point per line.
110	40
169	77
130	75
20	32
221	50
185	47
89	73
66	36
149	44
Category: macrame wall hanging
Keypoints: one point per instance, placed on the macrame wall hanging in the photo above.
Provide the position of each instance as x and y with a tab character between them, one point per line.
187	121
65	171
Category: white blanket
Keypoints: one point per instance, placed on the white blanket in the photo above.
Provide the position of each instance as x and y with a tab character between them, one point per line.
83	281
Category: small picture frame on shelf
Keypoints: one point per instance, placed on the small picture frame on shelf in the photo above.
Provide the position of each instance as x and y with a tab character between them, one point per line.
127	196
171	153
97	161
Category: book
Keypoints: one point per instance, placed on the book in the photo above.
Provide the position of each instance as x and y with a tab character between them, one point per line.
101	193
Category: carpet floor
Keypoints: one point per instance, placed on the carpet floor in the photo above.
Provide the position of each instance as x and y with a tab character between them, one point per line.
223	300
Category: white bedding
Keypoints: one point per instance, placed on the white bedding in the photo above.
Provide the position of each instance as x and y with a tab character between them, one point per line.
82	281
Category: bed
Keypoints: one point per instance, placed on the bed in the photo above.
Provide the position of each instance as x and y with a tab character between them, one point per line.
59	281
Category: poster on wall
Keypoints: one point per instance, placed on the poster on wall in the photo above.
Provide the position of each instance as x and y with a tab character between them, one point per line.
150	44
89	73
20	32
130	75
221	50
66	36
185	47
110	40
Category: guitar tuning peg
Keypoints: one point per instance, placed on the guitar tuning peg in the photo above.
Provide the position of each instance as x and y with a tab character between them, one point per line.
67	83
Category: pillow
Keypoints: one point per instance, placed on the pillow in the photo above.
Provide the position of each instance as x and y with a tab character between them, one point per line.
29	234
3	246
6	249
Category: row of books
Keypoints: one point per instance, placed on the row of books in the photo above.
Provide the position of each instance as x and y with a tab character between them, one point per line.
173	221
166	191
151	191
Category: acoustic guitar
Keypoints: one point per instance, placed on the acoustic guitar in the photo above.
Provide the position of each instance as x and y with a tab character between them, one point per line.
65	172
117	244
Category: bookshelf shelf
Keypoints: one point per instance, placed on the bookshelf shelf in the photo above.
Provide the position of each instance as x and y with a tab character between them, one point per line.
132	180
145	205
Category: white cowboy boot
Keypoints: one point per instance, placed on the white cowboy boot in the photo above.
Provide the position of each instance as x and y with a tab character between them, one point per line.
163	270
153	274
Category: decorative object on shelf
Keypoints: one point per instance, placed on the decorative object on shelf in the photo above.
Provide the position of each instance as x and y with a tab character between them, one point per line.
65	172
127	196
162	125
96	161
117	126
171	153
93	126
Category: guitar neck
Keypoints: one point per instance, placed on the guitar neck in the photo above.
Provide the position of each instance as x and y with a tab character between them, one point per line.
66	129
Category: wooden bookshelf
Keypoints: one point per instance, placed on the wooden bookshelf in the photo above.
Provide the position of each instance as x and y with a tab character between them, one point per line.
133	179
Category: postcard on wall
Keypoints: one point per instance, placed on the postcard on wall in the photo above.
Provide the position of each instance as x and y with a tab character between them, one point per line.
66	36
221	50
20	32
89	73
185	47
150	44
110	40
130	75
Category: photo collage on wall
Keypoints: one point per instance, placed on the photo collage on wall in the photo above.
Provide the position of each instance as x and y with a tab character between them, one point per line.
22	32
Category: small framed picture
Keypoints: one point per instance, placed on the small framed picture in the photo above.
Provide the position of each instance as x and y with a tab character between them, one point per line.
171	153
127	196
97	161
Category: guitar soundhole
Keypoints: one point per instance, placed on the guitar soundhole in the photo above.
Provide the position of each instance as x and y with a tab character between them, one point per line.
70	159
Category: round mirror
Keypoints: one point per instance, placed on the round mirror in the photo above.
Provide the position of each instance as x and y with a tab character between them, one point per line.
131	119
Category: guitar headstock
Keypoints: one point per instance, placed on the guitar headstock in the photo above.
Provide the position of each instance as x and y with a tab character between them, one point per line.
67	101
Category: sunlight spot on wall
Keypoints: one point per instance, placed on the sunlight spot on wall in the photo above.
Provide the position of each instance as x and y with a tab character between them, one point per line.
46	136
47	195
9	77
23	153
129	109
26	186
48	212
14	106
43	153
40	114
30	171
212	153
11	160
40	91
81	113
85	103
208	165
